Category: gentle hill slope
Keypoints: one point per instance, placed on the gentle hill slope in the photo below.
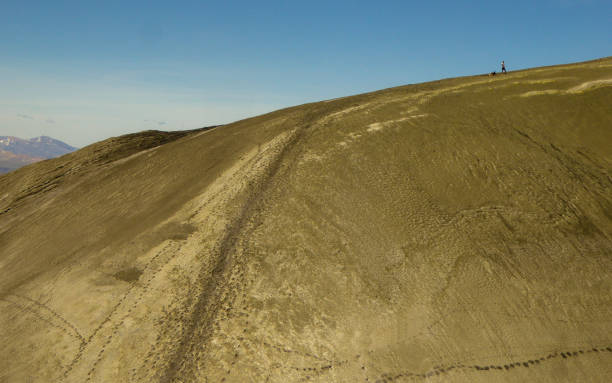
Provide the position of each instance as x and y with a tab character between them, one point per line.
459	230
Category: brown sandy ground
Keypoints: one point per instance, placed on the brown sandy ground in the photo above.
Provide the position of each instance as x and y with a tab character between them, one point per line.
459	230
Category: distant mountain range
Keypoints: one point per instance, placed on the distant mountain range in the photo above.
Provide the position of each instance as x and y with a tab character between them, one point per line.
17	152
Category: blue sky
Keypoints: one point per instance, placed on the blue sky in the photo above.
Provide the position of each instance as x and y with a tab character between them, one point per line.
84	71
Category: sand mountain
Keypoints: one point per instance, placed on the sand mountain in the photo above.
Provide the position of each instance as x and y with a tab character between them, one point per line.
457	230
17	152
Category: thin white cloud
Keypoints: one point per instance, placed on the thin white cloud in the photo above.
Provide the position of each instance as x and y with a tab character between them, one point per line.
25	116
50	121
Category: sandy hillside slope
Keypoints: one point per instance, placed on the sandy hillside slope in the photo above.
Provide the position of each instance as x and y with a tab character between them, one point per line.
459	230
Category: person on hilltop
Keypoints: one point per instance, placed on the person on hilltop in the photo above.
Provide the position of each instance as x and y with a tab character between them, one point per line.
503	67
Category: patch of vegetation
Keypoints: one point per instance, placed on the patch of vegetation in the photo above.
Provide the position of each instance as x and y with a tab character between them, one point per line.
128	275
